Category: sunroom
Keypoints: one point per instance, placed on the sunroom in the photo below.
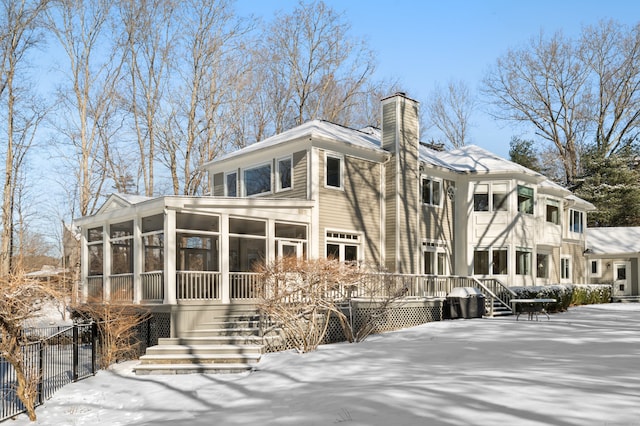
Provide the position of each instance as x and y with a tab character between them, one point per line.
181	250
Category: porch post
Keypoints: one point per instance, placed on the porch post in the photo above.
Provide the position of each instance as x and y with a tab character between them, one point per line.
170	242
224	259
106	268
138	259
84	265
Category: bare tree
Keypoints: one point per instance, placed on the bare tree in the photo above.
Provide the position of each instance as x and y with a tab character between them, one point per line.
21	300
86	100
19	34
449	110
545	84
612	52
313	68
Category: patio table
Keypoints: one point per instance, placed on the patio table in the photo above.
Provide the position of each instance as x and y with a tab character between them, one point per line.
532	307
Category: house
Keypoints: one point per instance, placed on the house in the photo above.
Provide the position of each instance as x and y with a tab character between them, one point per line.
371	196
613	257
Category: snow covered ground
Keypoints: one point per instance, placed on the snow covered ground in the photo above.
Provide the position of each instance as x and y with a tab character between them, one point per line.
580	368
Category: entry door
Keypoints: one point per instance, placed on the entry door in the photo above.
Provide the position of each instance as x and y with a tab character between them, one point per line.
621	279
290	249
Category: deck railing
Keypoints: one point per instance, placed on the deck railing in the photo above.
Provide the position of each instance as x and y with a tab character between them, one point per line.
152	286
197	285
245	285
121	287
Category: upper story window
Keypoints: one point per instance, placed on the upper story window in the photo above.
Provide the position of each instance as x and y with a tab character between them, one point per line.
333	171
553	212
231	184
576	221
492	197
257	180
284	180
525	199
431	191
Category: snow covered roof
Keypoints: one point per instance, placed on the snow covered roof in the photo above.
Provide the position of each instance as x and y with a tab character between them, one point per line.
614	240
368	138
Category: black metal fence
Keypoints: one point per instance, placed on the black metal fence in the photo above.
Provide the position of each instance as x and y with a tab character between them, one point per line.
57	355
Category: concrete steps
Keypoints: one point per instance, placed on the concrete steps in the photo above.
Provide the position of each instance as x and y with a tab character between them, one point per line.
230	345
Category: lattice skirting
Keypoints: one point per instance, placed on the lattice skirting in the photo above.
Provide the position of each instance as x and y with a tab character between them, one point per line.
398	316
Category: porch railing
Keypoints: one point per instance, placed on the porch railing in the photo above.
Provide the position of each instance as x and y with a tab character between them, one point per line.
197	285
245	285
152	286
95	288
496	290
121	287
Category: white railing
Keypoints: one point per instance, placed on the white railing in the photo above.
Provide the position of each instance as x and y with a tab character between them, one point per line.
197	285
245	285
152	286
95	288
121	287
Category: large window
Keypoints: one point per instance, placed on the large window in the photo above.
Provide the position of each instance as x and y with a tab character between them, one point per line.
431	191
247	244
498	264
333	171
490	197
523	262
576	221
343	246
198	242
542	265
96	250
525	199
121	235
257	180
284	174
553	212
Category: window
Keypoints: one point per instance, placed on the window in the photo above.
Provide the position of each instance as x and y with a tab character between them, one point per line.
431	191
96	250
553	211
231	184
153	242
481	262
257	180
525	199
490	197
197	252
499	264
121	235
576	221
565	268
435	263
594	268
248	247
343	246
523	262
333	171
542	263
284	174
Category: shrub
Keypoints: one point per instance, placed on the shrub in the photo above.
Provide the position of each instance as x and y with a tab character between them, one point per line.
566	294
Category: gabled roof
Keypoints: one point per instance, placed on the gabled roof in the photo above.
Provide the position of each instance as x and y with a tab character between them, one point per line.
368	138
117	200
614	240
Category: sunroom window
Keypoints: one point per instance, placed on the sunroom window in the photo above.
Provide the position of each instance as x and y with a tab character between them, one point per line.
121	235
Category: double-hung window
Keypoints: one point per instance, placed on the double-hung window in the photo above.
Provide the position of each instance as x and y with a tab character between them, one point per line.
576	221
431	191
525	199
523	262
565	268
553	212
490	197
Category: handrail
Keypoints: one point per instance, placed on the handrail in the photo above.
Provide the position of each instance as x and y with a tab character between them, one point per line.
505	294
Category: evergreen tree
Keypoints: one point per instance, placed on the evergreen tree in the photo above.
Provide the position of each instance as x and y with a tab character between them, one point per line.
521	151
612	184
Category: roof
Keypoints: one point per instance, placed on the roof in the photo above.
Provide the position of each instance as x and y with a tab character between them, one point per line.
613	240
368	138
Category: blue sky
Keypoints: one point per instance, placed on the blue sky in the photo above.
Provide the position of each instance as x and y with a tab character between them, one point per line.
424	43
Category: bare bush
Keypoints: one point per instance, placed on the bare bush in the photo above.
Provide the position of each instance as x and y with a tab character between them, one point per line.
21	300
300	297
117	329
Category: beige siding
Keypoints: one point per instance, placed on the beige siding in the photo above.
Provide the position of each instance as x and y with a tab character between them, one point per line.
578	261
218	185
437	222
391	203
389	127
355	208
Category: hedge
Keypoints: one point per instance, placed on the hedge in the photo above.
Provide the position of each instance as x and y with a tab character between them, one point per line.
566	294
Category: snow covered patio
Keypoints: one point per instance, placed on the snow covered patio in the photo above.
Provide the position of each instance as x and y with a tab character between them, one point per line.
580	368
